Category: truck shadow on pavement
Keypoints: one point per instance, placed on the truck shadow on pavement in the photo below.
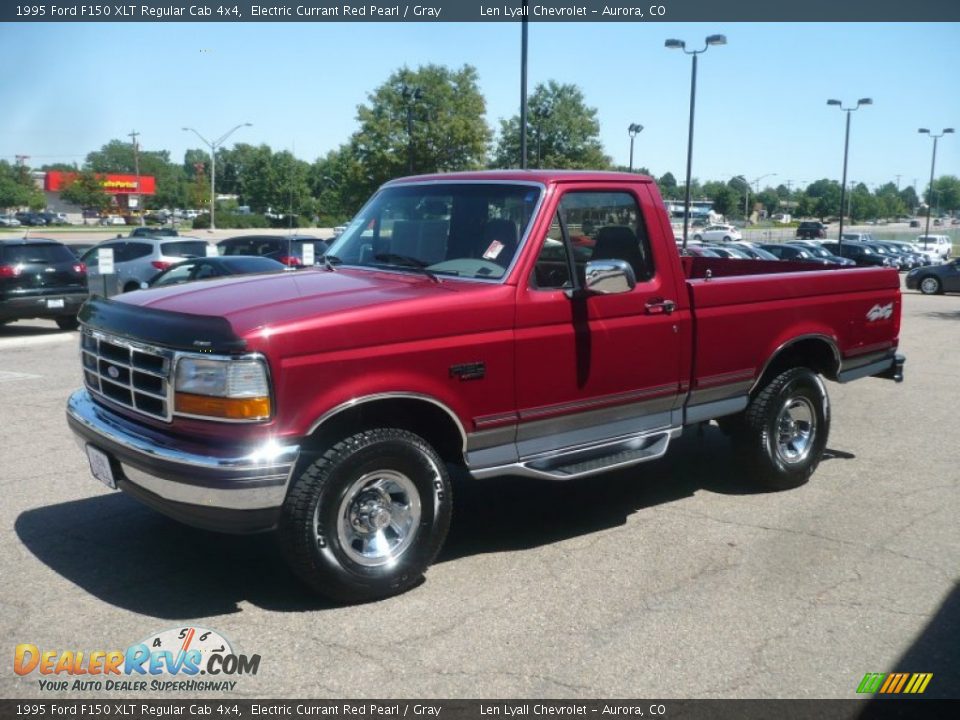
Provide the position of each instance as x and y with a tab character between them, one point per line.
127	555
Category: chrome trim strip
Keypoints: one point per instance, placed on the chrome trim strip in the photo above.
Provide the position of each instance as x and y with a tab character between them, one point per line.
726	378
364	399
255	478
710	410
832	342
614	400
719	392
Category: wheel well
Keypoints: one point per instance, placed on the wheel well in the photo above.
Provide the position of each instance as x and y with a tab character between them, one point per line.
818	354
420	417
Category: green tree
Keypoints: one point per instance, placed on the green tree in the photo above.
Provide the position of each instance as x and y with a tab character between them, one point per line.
559	121
17	188
946	193
86	191
668	186
910	198
825	197
447	130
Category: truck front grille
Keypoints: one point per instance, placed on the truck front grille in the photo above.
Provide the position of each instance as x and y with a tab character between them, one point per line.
127	373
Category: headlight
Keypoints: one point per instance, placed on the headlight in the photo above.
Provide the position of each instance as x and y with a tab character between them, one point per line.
225	388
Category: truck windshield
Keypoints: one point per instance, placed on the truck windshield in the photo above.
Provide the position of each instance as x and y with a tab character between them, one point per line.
470	230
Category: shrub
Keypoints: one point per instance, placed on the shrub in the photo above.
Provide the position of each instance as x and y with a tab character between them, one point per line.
231	220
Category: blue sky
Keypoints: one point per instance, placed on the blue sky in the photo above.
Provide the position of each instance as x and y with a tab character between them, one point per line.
761	99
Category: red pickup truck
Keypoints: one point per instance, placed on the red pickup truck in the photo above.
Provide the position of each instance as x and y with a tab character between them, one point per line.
512	323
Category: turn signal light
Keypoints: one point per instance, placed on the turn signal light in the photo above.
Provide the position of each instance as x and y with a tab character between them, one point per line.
9	271
254	408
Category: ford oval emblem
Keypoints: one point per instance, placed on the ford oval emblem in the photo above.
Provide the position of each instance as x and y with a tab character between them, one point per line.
113	372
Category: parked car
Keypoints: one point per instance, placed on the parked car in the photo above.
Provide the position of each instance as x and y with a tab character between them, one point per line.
914	223
926	257
287	249
206	268
154	232
861	253
54	218
906	259
137	260
9	221
793	254
810	230
935	280
31	218
755	252
329	406
112	220
41	278
727	251
941	244
724	233
79	249
699	251
819	251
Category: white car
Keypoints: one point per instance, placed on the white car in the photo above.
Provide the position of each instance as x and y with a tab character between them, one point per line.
940	244
717	233
9	221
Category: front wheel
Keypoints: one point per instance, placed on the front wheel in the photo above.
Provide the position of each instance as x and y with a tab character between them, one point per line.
785	429
930	285
698	237
68	322
366	518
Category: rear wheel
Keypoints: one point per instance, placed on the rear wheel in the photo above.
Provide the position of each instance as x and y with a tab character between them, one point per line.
131	286
785	429
366	519
68	322
698	237
930	285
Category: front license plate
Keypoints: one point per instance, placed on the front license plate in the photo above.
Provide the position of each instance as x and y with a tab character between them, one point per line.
55	303
100	467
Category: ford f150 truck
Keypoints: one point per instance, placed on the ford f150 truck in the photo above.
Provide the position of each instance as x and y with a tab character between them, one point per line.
520	323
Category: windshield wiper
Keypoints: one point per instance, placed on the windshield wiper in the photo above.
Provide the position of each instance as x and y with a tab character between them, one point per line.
407	261
329	261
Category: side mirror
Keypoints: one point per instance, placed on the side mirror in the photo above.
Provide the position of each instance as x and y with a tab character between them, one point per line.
609	277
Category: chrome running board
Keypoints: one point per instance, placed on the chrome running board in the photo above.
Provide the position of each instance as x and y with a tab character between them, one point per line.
584	460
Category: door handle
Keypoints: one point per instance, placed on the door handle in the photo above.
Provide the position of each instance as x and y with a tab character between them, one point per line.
656	306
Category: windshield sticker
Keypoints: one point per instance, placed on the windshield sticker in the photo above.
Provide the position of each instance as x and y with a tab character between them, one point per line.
496	247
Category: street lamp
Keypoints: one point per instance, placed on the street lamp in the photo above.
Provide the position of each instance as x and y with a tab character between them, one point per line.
846	147
933	162
633	130
213	164
756	182
681	45
410	95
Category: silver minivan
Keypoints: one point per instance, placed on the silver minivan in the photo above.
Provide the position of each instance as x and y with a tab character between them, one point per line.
137	259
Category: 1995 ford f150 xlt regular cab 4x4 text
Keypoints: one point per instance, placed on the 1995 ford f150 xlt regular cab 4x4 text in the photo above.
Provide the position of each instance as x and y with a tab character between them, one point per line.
533	323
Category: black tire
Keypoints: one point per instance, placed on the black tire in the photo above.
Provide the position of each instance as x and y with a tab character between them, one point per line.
131	286
785	429
930	285
726	238
698	237
361	477
68	322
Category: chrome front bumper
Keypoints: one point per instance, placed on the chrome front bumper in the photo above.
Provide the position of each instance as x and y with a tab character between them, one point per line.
232	488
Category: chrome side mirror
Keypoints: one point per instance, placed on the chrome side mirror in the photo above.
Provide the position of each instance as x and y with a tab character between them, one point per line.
609	277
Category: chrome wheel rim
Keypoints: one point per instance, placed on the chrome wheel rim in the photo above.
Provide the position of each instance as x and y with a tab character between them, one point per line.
378	518
796	430
929	285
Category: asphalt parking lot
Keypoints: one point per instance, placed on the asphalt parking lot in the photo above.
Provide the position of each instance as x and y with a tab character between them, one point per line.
672	579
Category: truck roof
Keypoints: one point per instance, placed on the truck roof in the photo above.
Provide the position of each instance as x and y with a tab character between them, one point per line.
544	176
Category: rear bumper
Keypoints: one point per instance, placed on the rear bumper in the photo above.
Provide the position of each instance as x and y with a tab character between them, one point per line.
38	306
229	488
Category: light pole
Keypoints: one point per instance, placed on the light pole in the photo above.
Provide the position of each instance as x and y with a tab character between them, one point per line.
846	147
933	162
523	87
136	170
633	130
213	164
540	114
410	95
681	45
756	183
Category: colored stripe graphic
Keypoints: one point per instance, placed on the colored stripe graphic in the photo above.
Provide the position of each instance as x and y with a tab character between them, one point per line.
894	683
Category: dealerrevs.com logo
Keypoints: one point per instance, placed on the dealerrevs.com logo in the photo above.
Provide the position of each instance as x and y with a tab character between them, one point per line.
187	659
